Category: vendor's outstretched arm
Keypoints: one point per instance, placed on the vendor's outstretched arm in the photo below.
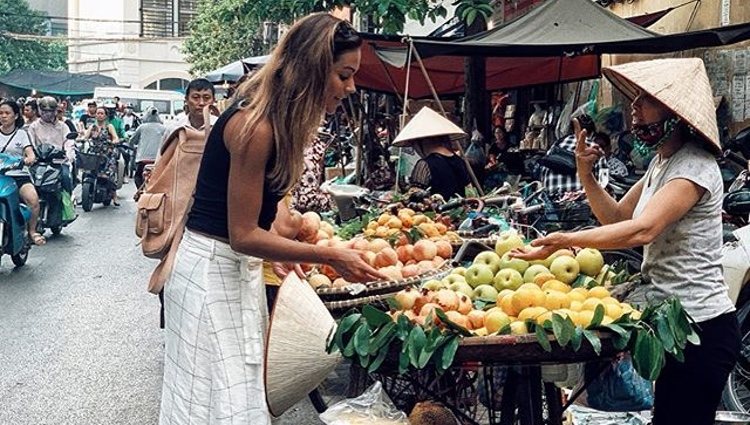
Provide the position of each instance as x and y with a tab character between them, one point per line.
667	206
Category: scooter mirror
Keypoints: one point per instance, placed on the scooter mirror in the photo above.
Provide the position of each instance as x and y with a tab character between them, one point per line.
71	136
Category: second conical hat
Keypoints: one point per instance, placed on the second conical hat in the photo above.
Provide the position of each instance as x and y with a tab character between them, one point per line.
427	123
679	84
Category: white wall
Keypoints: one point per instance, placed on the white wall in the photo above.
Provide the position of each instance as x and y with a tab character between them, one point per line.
115	48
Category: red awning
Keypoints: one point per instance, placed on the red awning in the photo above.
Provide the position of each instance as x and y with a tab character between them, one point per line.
447	72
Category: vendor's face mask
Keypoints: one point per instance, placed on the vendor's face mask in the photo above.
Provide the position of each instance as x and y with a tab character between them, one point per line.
48	116
650	137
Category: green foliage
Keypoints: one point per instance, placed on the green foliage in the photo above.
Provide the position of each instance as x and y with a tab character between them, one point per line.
223	31
27	54
369	336
469	10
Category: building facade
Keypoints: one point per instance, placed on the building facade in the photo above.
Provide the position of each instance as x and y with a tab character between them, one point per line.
137	42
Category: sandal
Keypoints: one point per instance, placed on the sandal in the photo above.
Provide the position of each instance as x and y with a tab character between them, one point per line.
38	239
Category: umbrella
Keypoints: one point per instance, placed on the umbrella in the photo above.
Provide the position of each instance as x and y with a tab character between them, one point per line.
235	70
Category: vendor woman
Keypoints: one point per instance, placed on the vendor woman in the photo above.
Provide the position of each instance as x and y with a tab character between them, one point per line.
439	169
674	211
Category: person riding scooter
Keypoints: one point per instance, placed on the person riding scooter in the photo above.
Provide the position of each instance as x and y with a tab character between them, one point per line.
48	129
104	132
15	141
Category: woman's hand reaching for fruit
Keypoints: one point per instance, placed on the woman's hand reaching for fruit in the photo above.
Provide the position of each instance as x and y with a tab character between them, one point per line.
543	247
352	265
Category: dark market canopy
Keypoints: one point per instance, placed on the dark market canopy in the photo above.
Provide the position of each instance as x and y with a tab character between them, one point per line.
59	83
234	71
576	27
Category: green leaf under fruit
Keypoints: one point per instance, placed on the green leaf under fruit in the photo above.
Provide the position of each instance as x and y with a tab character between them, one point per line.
541	337
577	338
449	353
362	341
375	318
562	330
598	316
594	340
378	360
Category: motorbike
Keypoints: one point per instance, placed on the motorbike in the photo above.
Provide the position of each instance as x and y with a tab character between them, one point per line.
14	216
97	186
46	175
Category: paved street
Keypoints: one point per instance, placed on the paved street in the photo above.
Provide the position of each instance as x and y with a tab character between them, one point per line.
80	337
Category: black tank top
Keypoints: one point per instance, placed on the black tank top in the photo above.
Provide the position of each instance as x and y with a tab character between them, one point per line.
209	213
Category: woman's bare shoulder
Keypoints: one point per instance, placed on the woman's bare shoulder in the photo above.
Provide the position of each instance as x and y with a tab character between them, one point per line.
260	138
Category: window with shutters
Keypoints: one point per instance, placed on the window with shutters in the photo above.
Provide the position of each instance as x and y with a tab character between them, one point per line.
167	18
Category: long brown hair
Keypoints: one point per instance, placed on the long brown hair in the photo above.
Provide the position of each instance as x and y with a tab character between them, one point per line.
290	91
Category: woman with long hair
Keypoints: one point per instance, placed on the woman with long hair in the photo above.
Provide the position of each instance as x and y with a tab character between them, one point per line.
101	134
16	142
215	306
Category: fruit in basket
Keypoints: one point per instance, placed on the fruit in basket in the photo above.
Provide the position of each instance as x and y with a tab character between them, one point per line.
405	253
531	313
464	304
391	272
565	269
489	258
543	278
591	303
462	288
444	249
386	257
376	245
555	300
556	285
424	250
479	274
528	295
446	299
410	270
485	292
508	279
476	318
428	309
319	280
533	271
406	298
434	285
508	241
340	283
518	328
508	262
458	318
495	320
590	261
459	271
506	304
453	278
598	292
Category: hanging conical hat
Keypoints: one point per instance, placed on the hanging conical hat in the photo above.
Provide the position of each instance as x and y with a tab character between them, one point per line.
680	84
296	359
427	123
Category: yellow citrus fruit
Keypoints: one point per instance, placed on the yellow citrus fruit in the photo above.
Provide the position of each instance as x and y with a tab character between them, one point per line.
518	328
598	292
543	318
507	305
610	300
583	318
591	303
480	332
576	305
530	286
531	313
370	232
613	310
564	312
525	298
576	296
556	285
635	315
372	225
543	278
606	320
502	295
555	300
626	308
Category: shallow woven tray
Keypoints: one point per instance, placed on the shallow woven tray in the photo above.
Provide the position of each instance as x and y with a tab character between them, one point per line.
383	287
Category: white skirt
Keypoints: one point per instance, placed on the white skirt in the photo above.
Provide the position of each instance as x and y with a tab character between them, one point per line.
216	322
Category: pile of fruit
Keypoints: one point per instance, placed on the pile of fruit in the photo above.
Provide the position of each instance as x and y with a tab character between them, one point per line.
567	284
400	225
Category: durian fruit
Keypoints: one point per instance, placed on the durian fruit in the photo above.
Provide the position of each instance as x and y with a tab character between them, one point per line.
432	413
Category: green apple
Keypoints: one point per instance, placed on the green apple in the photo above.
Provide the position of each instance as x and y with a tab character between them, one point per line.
508	241
462	288
558	253
479	274
489	258
565	269
496	320
590	260
459	271
453	278
517	264
434	285
532	271
508	279
484	292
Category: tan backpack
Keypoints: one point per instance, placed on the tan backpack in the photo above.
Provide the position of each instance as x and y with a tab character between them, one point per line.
167	196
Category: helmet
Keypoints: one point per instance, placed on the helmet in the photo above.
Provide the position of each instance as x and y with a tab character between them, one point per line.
47	103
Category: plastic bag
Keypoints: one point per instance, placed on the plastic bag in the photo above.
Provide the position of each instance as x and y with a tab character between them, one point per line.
68	210
619	388
373	406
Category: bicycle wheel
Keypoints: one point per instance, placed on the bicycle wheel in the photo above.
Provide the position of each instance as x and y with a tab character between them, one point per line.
737	392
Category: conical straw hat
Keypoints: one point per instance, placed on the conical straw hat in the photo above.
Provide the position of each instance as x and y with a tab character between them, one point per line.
427	123
296	359
680	84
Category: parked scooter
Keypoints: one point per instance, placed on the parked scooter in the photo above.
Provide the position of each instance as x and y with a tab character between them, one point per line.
14	216
97	185
46	175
